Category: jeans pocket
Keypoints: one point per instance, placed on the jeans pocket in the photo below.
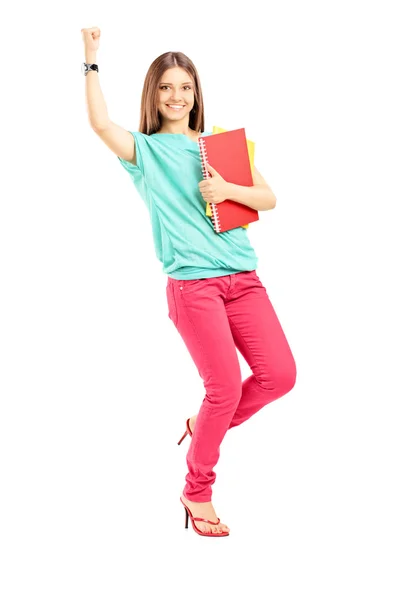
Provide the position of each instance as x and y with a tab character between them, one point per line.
188	284
172	310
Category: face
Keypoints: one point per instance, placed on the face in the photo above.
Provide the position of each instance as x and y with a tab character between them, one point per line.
176	87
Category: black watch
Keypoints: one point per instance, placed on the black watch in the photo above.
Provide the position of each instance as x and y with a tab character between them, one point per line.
86	67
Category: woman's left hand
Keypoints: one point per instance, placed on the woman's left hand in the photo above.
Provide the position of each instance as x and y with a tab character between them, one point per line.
215	188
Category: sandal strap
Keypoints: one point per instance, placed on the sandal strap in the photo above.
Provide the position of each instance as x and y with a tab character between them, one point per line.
206	520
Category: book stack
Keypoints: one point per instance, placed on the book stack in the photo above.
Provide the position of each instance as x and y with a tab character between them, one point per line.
232	155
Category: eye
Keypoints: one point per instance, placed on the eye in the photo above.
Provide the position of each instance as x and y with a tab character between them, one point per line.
165	86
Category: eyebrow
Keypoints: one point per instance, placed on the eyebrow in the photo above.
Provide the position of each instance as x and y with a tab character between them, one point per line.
164	83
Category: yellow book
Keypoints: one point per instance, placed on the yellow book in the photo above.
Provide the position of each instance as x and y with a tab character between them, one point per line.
250	148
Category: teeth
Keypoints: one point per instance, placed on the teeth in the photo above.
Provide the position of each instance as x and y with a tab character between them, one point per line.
175	106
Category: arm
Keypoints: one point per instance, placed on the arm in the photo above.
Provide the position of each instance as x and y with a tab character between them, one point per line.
259	196
95	104
119	140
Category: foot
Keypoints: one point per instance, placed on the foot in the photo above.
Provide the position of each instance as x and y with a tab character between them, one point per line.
205	510
192	422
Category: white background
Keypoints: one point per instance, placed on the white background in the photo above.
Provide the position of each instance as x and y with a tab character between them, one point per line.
96	383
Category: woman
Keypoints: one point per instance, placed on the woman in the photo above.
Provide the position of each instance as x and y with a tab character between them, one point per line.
215	297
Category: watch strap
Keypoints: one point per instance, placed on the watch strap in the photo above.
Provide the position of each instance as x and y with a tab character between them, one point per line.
89	67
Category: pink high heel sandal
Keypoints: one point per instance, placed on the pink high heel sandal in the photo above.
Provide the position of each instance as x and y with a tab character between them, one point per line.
188	431
196	529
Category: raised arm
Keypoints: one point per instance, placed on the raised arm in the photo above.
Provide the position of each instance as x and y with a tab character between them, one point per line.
118	139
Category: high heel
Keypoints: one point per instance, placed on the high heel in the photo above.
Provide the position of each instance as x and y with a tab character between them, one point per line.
196	529
188	431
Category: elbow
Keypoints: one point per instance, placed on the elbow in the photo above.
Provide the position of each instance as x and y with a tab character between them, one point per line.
271	202
100	127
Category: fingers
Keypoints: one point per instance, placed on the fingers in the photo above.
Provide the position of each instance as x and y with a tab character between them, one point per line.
94	32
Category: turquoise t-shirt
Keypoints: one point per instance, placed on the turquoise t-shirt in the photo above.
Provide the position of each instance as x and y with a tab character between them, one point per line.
167	176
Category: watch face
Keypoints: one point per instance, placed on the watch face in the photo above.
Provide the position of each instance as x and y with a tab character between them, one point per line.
84	68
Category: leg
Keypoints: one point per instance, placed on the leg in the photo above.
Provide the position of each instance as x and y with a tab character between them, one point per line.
260	339
197	309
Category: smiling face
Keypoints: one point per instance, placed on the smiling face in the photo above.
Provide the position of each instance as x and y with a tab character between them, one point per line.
176	88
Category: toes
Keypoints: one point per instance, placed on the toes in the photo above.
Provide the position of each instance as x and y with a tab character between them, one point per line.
214	529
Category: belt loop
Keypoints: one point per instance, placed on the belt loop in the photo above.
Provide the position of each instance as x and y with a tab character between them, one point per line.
232	281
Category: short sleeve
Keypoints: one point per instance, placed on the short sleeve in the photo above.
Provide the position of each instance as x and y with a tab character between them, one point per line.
135	170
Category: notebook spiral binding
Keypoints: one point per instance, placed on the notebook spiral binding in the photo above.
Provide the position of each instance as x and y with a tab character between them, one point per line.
206	175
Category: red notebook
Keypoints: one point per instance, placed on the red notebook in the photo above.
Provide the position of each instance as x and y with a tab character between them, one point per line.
227	152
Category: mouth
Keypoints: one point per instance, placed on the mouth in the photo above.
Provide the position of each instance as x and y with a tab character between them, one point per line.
175	107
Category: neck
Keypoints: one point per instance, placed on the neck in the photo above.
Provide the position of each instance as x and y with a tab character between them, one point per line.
185	130
181	126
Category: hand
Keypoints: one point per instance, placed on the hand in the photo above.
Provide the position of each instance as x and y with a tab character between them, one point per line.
215	188
91	39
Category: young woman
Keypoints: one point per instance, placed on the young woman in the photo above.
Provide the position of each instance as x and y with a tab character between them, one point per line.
215	298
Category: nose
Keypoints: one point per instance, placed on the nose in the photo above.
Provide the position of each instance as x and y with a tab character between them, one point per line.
175	97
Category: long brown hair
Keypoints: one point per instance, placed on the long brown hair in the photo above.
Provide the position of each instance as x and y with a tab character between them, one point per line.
150	121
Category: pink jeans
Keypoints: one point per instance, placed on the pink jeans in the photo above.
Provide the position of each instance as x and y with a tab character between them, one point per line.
214	316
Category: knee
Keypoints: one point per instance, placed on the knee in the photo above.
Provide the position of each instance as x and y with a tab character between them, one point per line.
227	390
282	379
288	378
